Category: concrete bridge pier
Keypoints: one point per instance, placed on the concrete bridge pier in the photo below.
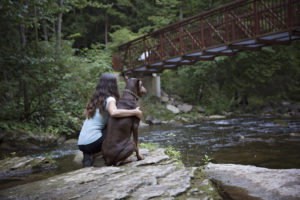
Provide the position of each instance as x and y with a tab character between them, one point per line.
152	84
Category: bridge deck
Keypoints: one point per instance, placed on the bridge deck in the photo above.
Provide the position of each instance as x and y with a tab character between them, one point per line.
225	31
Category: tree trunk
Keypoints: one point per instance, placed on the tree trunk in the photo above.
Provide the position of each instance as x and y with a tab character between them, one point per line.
23	36
180	13
23	83
211	2
59	21
45	30
106	31
36	28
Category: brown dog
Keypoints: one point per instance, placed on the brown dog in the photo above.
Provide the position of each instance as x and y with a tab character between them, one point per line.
118	146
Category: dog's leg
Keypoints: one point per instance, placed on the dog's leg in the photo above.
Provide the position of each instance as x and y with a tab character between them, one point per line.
122	158
136	139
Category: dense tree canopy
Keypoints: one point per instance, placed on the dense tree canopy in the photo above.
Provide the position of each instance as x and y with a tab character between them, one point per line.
53	51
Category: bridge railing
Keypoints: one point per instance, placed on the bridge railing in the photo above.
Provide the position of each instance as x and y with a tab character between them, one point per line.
236	21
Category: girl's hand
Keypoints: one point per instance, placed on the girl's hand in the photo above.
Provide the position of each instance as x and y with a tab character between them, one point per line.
139	113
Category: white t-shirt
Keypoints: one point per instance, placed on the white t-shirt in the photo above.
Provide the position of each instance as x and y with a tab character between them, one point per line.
91	129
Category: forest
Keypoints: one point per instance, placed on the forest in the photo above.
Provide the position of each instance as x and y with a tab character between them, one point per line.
53	52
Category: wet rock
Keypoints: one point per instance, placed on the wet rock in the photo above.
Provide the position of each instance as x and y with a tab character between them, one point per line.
269	184
71	141
61	140
157	176
17	166
143	124
151	121
78	157
24	140
295	134
173	109
154	122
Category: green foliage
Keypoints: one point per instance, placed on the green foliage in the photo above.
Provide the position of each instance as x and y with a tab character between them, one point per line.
13	154
245	82
150	146
153	107
173	154
122	36
48	155
45	89
170	151
206	159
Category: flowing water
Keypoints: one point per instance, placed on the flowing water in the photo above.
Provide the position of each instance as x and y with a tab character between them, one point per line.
267	142
263	142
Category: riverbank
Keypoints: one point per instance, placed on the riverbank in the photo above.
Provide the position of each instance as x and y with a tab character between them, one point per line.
157	177
172	109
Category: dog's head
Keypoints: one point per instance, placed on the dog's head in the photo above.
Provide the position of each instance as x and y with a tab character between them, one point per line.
135	85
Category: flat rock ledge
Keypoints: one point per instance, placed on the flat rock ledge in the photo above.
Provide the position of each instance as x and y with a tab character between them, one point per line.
155	177
263	183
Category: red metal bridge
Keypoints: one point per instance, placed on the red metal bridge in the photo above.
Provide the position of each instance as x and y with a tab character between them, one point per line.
224	31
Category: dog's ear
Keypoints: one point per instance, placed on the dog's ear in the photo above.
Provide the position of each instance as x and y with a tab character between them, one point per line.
138	83
125	77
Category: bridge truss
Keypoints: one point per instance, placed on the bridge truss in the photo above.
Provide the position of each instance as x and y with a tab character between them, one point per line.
224	31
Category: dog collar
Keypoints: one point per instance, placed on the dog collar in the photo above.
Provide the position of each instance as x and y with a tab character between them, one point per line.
132	93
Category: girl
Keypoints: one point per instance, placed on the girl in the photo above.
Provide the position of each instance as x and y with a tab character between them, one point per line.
100	107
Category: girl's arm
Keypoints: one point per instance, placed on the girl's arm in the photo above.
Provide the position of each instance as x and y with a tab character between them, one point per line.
115	112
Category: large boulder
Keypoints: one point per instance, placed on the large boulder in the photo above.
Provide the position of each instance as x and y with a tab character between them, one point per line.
268	184
164	99
173	109
185	107
17	166
24	140
157	176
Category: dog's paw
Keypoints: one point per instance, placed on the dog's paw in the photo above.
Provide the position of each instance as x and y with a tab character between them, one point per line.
140	157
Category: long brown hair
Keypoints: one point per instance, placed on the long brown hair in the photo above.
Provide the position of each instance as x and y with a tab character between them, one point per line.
107	86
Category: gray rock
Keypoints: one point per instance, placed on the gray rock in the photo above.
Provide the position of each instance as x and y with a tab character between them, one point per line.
143	124
200	109
295	134
177	103
78	157
154	177
154	122
285	103
164	94
17	166
173	109
185	108
164	99
72	141
61	140
23	140
268	184
216	117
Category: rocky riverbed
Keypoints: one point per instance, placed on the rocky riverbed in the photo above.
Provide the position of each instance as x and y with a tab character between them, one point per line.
156	177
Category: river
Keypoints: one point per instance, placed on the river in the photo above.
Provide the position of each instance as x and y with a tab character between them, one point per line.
263	142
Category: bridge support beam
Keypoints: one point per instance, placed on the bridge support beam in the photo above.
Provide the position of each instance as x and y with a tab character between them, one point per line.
152	84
